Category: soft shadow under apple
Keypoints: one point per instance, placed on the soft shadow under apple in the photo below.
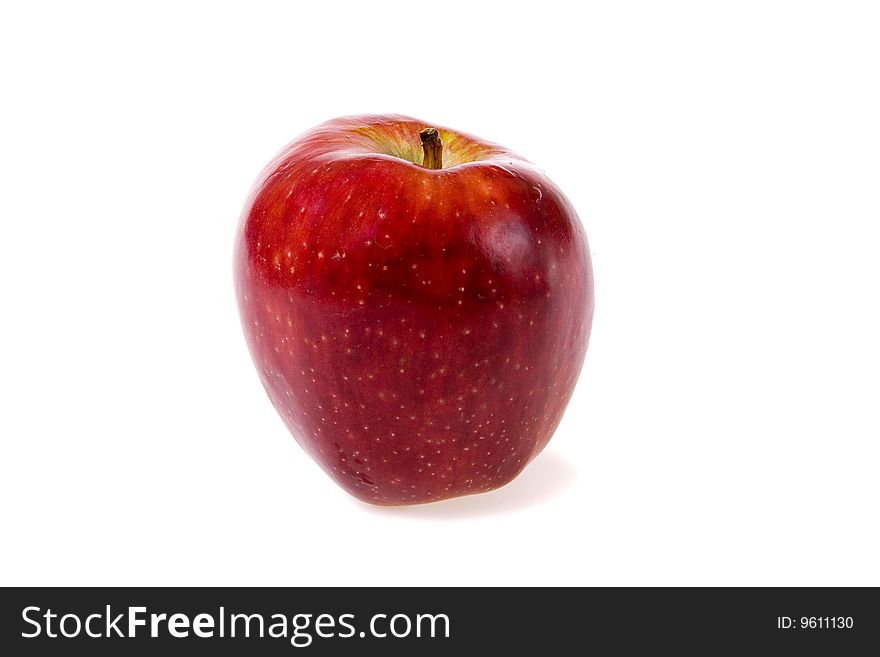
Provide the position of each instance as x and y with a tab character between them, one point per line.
545	478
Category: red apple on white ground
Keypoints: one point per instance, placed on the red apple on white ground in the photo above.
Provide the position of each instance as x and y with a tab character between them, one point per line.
418	304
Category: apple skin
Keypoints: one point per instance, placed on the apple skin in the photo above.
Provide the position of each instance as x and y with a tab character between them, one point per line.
420	331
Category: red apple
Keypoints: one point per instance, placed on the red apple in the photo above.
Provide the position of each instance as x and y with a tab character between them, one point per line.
418	303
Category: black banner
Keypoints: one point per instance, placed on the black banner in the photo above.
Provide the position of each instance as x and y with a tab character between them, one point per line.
446	621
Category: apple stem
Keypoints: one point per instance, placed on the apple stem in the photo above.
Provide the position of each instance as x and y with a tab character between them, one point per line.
433	148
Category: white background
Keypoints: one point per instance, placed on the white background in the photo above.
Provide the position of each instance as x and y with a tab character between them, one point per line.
724	159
